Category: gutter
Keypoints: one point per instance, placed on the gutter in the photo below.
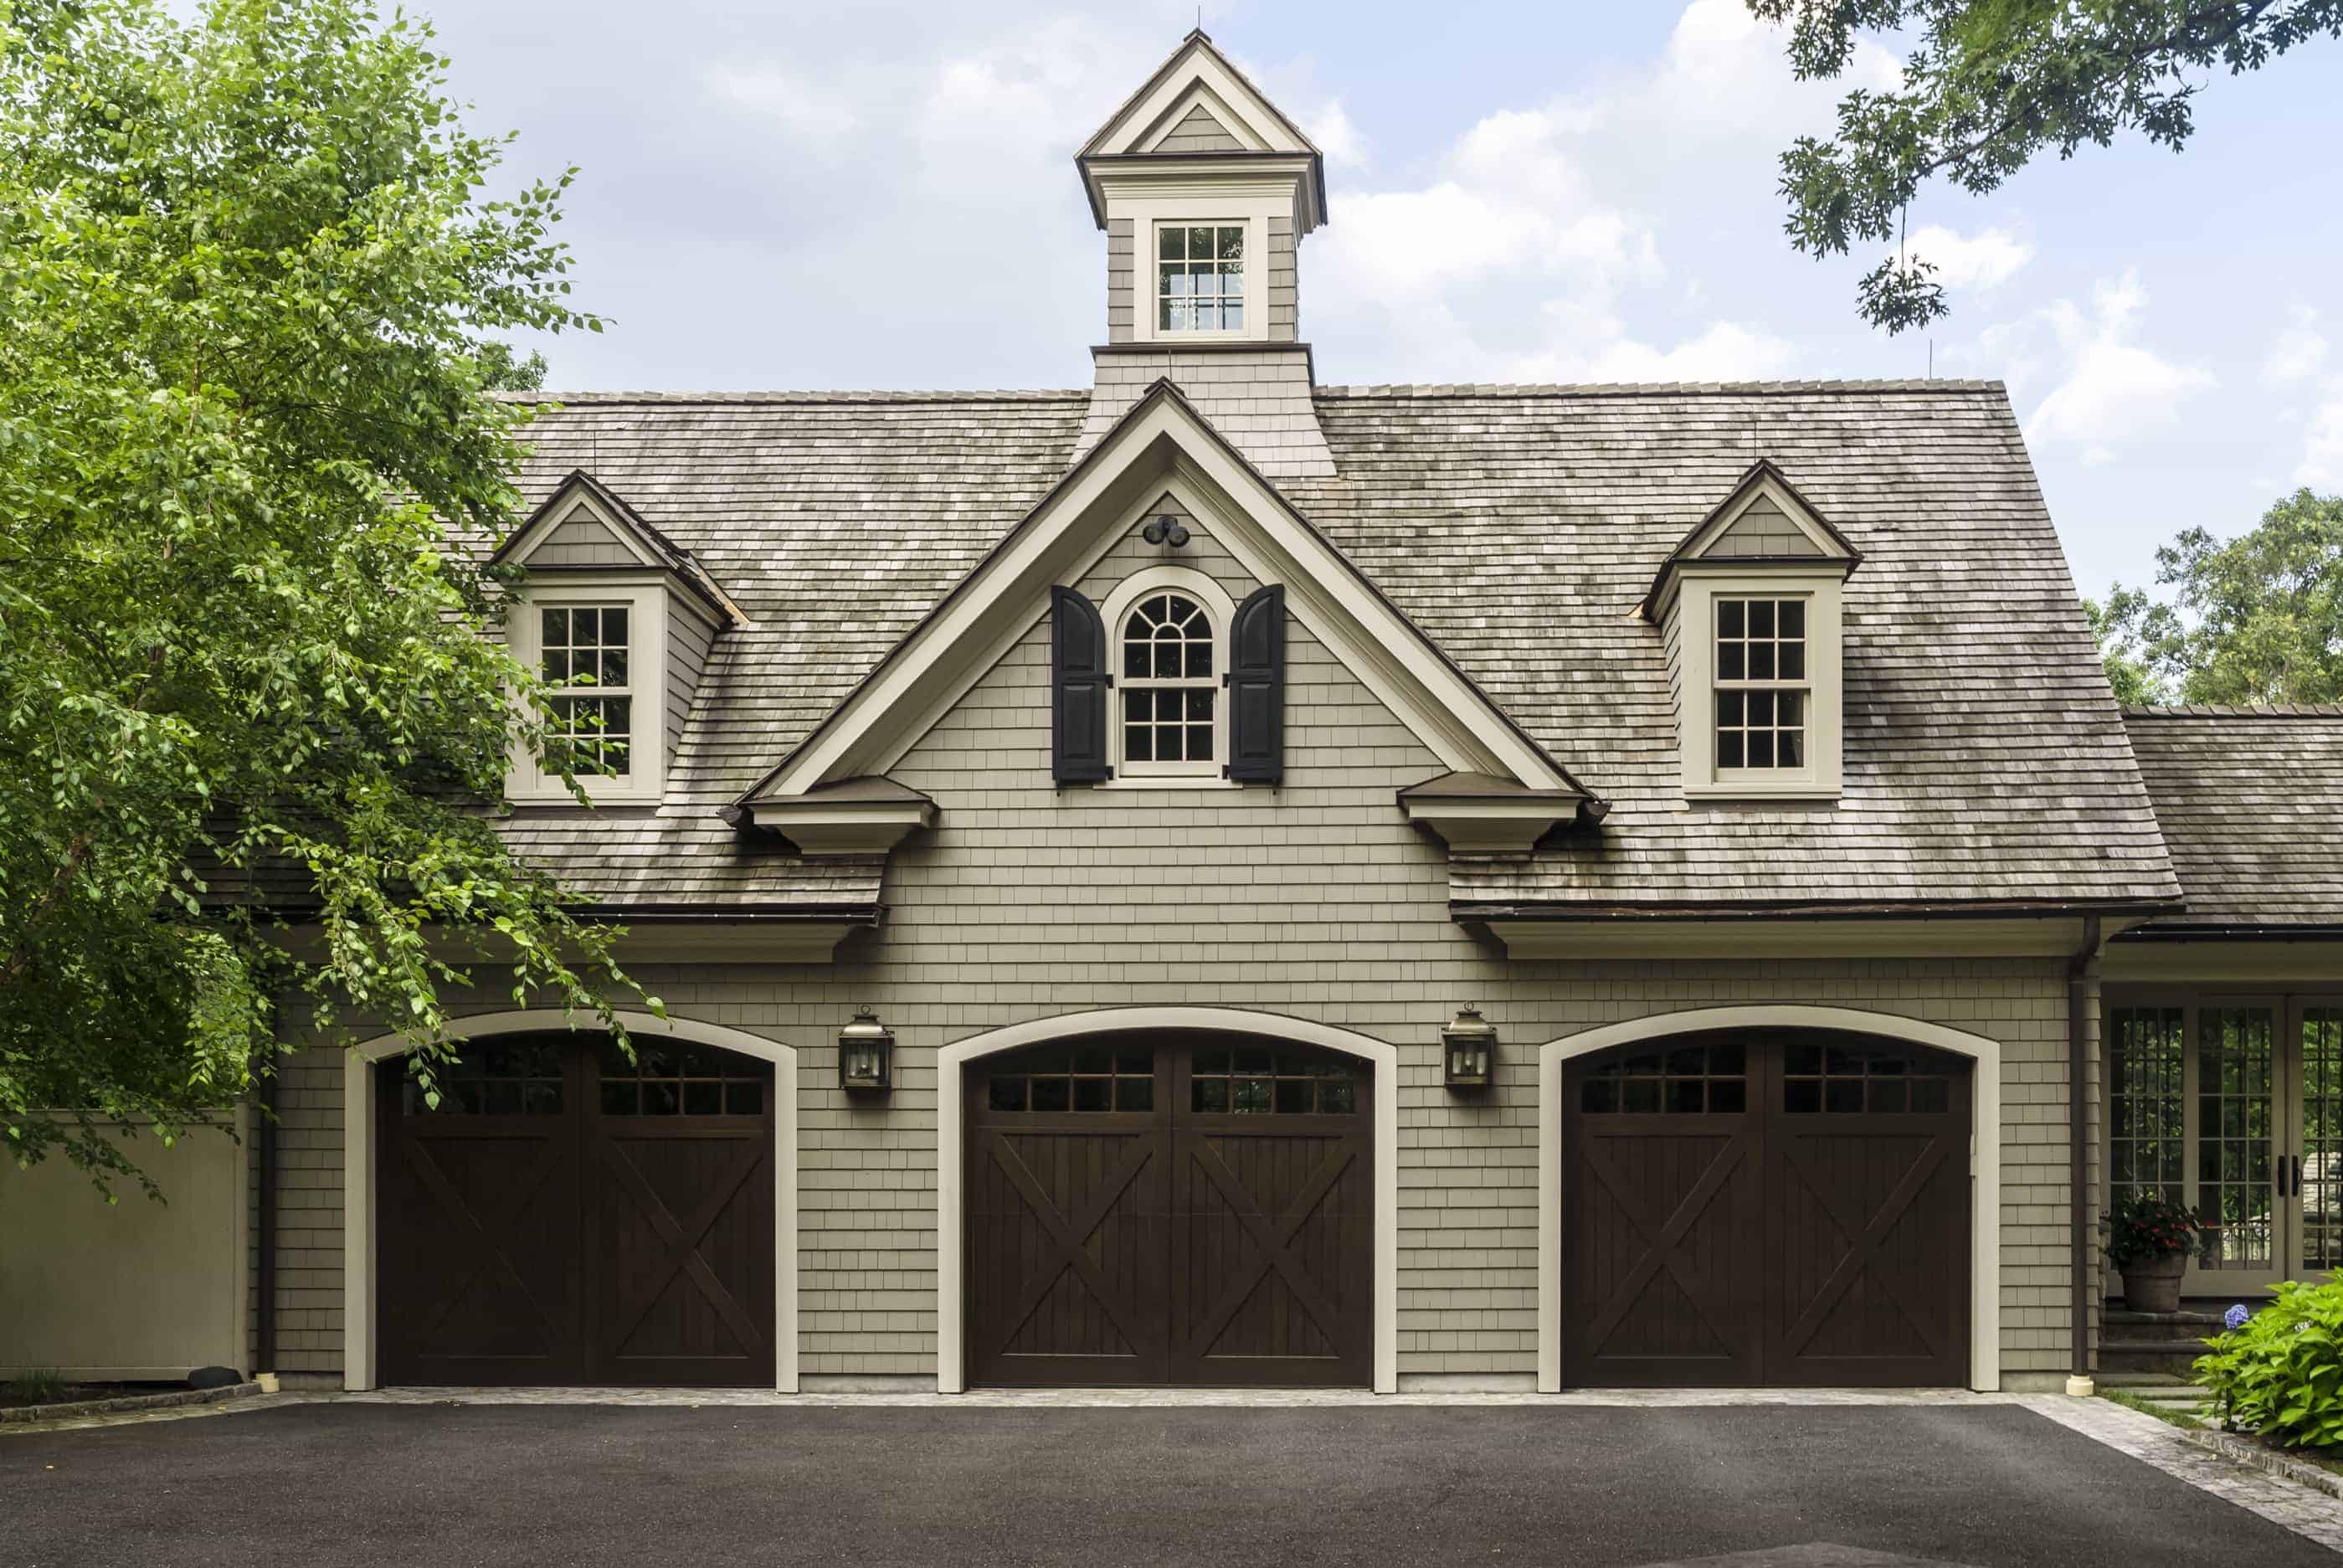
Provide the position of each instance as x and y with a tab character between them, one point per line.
2082	1001
2232	933
1661	914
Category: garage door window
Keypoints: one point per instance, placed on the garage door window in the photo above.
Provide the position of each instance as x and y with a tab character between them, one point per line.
1686	1080
1852	1079
522	1080
666	1079
1259	1079
1089	1078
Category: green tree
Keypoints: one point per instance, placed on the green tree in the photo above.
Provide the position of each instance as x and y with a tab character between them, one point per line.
2134	685
248	273
1988	86
2256	619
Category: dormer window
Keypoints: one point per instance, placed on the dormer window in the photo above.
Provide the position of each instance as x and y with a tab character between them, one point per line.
1761	684
586	646
1749	607
1199	277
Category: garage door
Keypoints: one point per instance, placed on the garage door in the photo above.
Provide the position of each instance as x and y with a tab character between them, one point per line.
565	1216
1166	1209
1767	1207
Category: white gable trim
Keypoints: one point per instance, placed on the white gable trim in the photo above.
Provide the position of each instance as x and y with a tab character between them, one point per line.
1243	112
1160	445
565	505
1828	547
1200	95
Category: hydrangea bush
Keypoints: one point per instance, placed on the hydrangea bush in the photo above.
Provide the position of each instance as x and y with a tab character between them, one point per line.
2278	1371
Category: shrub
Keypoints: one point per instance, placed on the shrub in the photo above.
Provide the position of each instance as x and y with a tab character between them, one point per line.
2280	1375
2150	1226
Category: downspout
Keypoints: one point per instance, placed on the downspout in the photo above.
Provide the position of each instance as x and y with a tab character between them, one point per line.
265	1318
2082	998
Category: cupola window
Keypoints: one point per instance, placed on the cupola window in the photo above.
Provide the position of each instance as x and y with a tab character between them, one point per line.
1199	284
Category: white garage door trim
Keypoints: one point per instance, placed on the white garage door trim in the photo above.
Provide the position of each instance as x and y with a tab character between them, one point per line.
1985	1154
952	1359
359	1342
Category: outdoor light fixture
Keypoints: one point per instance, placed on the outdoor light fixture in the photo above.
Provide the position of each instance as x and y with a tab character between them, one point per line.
864	1049
1165	529
1468	1050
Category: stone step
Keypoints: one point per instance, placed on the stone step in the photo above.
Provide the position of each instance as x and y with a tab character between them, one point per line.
2176	1357
2186	1327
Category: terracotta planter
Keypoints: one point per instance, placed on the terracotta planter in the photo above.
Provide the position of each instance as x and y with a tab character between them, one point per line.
2153	1285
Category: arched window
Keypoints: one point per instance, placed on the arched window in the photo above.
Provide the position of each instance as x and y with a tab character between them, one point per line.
1171	682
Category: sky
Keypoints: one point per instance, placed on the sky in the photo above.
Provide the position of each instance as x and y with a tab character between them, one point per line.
882	195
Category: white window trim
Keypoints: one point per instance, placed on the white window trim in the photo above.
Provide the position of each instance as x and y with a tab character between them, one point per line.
1256	289
1691	625
646	598
1220	609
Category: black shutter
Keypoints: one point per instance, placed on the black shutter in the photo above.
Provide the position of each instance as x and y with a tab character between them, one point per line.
1078	683
1256	682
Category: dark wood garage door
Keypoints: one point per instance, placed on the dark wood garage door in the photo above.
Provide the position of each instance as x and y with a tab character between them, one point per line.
1159	1209
565	1216
1767	1207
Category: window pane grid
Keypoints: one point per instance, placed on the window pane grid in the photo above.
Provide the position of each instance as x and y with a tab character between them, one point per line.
674	1079
2234	1123
2146	1138
522	1079
2322	1138
1199	277
1169	698
1849	1079
1088	1078
587	644
1689	1078
1248	1079
1761	675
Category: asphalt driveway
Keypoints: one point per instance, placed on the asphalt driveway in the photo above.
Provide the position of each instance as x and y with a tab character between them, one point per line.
336	1483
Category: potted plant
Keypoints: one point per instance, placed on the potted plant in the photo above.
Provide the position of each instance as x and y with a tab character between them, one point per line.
2150	1246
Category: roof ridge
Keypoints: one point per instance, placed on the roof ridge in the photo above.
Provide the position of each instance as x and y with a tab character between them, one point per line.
1653	389
2237	710
940	395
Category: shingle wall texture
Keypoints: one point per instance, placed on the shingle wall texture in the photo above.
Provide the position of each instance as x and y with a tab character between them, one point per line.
1314	900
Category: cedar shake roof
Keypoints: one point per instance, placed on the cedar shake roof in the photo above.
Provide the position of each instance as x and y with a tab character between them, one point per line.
2251	800
1985	762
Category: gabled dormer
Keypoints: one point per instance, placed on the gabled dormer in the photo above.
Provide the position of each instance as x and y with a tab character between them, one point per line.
623	620
1749	607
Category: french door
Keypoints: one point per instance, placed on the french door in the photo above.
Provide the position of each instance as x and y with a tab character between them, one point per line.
2233	1104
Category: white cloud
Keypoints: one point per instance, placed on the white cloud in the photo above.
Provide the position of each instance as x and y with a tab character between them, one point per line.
2322	453
1335	135
2113	390
1984	260
2298	352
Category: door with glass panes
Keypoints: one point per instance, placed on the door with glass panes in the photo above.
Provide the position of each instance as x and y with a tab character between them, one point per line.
2232	1104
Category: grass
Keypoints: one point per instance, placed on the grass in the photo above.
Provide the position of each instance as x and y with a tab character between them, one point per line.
2161	1410
36	1386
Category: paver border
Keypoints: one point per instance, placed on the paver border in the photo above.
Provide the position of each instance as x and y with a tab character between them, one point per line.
41	1414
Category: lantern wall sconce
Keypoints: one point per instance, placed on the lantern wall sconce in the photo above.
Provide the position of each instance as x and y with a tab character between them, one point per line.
866	1051
1468	1050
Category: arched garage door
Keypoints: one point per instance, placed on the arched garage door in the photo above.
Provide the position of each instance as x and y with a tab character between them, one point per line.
565	1215
1765	1207
1170	1209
